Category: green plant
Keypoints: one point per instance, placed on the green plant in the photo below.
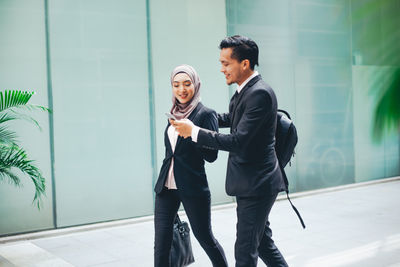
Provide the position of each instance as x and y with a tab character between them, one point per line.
12	156
387	110
375	36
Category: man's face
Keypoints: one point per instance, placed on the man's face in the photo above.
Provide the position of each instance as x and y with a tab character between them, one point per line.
230	67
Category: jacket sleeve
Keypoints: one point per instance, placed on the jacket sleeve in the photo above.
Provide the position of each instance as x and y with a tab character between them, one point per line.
224	120
210	123
258	108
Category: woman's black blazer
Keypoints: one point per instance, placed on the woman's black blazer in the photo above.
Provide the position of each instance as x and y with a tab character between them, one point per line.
189	172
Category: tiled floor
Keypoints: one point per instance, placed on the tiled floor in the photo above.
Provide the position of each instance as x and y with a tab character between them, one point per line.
356	227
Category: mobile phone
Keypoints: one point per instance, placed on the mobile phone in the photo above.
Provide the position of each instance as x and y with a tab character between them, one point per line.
172	117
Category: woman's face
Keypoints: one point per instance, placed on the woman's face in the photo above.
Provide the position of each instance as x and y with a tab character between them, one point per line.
183	88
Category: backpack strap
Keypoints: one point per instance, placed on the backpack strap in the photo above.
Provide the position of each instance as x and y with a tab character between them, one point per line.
287	194
284	112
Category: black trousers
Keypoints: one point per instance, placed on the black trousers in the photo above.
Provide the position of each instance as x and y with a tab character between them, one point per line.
199	214
253	234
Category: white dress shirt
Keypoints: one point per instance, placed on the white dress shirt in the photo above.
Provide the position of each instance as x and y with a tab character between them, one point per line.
240	87
196	129
173	137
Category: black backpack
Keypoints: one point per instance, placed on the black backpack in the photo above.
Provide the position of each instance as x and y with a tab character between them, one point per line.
285	142
285	138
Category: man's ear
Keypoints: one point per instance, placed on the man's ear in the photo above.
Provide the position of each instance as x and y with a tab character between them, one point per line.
246	64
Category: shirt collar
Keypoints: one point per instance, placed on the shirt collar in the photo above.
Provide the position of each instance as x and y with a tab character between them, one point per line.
239	88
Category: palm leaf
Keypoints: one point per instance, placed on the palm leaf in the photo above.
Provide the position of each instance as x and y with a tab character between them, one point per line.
19	99
30	107
14	98
15	157
13	115
6	136
387	111
11	155
7	173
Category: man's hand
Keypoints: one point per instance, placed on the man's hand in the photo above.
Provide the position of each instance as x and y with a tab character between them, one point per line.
183	127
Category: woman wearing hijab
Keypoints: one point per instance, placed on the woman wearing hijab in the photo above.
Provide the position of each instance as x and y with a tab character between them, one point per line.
182	177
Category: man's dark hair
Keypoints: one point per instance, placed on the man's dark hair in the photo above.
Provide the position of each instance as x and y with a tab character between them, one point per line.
242	48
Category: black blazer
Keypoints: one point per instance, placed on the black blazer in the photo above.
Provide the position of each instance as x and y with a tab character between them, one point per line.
253	168
189	172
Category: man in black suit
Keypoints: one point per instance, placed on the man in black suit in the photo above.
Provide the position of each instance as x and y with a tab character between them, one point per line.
253	173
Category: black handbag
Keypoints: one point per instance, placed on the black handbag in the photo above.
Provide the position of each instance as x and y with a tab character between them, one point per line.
181	250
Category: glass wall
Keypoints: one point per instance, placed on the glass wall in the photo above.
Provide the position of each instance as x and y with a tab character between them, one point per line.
104	68
23	67
101	110
376	58
306	54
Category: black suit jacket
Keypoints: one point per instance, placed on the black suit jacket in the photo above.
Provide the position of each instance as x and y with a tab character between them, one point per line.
189	172
253	168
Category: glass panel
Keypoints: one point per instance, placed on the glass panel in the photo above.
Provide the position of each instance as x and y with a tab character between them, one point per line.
376	54
184	36
323	93
23	67
373	159
101	110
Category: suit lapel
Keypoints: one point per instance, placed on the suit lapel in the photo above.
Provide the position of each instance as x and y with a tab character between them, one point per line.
240	95
232	102
166	138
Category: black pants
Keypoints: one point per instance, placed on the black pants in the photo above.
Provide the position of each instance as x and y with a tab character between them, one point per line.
198	211
254	236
